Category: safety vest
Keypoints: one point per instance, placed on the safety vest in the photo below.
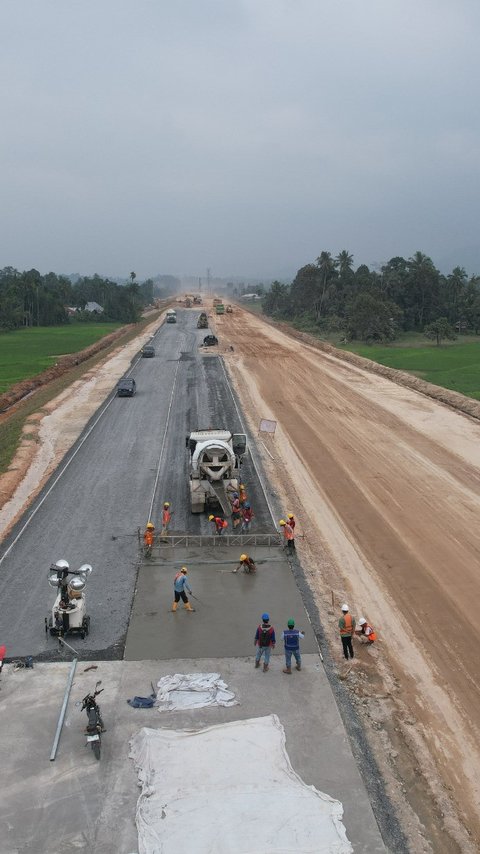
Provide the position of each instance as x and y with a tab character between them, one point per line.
288	532
369	633
348	628
166	517
148	537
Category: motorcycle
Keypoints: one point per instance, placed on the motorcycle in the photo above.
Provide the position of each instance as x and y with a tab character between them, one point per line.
95	725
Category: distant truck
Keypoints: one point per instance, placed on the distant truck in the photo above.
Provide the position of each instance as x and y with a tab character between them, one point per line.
202	322
229	309
188	302
171	315
217	301
220	308
197	300
215	460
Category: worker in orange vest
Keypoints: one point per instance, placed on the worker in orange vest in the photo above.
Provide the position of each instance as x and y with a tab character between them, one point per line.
288	535
148	539
219	524
346	624
166	517
242	494
365	631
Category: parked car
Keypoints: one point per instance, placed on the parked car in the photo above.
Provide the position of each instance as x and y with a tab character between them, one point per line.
148	351
210	341
126	387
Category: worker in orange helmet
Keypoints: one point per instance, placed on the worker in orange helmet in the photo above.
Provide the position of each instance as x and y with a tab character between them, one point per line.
288	535
365	631
148	539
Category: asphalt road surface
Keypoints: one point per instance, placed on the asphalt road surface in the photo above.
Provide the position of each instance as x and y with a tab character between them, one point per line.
133	459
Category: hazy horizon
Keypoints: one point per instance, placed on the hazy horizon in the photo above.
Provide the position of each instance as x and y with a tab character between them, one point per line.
243	137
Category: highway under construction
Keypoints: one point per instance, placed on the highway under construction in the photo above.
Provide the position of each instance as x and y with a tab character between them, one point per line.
132	456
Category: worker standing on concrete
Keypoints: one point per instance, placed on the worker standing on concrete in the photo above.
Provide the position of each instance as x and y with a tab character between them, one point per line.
236	510
148	539
179	585
291	521
366	632
166	518
247	516
247	564
346	624
218	524
291	640
265	641
289	536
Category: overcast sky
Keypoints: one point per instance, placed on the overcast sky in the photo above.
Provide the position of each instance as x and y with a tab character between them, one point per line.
242	135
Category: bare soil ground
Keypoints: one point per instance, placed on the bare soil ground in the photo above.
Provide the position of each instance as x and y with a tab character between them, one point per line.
386	485
385	482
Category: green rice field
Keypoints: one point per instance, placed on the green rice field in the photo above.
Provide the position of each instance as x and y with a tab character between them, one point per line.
27	352
454	365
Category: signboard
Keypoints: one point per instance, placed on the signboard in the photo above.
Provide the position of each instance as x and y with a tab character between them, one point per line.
267	426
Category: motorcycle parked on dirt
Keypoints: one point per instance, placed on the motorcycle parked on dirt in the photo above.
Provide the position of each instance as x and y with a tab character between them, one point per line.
95	725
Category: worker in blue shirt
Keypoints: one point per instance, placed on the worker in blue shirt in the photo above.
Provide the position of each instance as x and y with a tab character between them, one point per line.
179	585
291	640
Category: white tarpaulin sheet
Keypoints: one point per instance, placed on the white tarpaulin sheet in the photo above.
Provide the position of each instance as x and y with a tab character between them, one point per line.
193	691
229	789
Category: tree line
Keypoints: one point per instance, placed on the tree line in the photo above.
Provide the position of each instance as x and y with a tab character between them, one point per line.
29	299
371	305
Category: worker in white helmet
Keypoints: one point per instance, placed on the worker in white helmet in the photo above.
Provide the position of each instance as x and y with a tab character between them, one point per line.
365	631
346	625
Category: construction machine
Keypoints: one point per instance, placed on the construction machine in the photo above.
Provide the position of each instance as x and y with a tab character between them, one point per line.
202	322
215	460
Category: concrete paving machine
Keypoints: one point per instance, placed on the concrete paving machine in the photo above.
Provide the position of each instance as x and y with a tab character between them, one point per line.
69	615
215	460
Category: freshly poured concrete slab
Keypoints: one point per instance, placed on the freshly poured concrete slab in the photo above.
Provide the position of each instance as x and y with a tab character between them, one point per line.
228	609
79	804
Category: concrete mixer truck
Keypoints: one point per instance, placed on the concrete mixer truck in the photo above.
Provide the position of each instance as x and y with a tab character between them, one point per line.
215	460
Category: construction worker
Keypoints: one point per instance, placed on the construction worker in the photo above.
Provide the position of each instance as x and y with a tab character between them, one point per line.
236	510
366	632
148	539
179	585
219	524
166	518
291	640
247	564
265	641
289	536
346	624
247	516
242	494
291	521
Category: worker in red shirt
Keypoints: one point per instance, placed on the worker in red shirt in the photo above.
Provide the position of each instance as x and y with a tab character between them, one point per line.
291	521
166	518
289	536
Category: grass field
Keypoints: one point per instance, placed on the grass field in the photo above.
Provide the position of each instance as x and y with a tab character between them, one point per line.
27	352
454	365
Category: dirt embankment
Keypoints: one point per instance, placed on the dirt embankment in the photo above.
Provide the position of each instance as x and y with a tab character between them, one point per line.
386	484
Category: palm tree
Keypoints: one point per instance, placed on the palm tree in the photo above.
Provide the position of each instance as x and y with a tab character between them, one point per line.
344	263
326	266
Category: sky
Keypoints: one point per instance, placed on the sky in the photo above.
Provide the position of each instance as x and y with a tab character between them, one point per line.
244	136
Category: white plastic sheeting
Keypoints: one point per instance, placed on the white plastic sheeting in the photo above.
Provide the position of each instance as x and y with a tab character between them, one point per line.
193	691
229	789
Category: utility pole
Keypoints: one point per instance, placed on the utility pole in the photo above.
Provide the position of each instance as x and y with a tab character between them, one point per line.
208	279
199	284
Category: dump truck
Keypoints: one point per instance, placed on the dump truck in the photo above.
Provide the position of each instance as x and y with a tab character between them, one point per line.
202	322
215	457
229	309
220	308
188	302
171	315
216	301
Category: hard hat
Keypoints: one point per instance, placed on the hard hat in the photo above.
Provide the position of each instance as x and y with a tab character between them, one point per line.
211	518
150	525
243	557
62	564
362	621
166	504
289	515
290	623
282	522
247	505
242	486
235	494
265	617
184	570
345	607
